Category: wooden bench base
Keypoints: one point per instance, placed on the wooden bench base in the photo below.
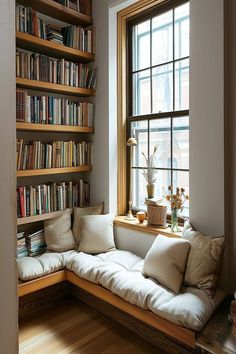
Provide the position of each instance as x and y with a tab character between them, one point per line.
161	326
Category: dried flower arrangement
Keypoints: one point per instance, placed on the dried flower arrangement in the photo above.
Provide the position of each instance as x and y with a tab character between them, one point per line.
150	172
178	199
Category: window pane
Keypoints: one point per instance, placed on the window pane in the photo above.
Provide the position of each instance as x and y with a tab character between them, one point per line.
162	38
139	189
182	31
140	131
181	180
182	84
141	93
141	45
162	94
181	142
160	136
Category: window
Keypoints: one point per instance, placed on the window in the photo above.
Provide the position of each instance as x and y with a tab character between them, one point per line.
158	96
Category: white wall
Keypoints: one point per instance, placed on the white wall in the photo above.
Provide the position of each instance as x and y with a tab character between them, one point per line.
8	294
207	115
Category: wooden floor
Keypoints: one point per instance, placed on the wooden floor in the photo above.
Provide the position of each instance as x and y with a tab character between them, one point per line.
73	327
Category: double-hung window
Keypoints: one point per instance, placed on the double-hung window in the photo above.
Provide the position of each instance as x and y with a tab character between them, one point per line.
158	96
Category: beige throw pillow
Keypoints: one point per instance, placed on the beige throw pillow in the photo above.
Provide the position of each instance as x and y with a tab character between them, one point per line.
204	259
78	212
96	234
58	234
166	260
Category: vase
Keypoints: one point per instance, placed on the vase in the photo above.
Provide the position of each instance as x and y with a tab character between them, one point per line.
150	190
174	220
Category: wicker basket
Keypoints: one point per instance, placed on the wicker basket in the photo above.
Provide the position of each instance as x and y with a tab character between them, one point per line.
156	215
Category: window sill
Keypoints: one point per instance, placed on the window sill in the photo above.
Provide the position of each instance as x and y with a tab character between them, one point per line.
135	225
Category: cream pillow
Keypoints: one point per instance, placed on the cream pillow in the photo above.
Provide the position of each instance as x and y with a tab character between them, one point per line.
96	234
166	260
204	259
78	212
58	234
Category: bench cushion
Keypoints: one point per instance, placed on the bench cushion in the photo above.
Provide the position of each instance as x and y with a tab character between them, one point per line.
121	272
34	267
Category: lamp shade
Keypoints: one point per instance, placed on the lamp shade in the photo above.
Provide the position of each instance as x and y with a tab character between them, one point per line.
131	142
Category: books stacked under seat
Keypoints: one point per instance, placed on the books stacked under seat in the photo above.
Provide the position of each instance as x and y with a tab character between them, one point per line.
35	242
45	198
52	110
40	67
21	249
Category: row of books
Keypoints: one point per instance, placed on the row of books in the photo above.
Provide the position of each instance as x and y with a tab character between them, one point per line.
52	110
84	6
29	21
38	155
40	67
50	197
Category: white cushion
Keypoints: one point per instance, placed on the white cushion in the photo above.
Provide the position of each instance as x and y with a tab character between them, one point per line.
34	267
166	260
121	273
96	233
79	212
58	234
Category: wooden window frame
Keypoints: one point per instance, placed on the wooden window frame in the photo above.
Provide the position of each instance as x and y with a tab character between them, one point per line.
123	17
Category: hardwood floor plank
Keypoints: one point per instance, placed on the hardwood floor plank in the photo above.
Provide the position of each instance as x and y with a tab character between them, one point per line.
73	327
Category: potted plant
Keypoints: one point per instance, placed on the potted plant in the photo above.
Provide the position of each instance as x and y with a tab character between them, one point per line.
176	201
150	172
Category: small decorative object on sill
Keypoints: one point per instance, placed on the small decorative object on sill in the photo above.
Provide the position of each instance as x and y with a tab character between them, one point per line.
150	171
131	142
177	204
141	215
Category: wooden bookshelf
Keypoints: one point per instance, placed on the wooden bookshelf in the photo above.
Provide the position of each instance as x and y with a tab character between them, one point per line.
37	218
53	128
56	10
35	44
56	88
53	171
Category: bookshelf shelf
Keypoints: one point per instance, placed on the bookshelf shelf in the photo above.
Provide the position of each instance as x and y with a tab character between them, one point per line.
49	87
32	43
53	171
36	218
56	10
53	128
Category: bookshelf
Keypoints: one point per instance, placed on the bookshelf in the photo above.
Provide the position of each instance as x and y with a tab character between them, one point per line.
58	11
53	128
53	88
34	44
53	171
52	49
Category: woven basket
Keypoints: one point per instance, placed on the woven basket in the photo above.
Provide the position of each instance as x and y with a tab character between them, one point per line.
156	215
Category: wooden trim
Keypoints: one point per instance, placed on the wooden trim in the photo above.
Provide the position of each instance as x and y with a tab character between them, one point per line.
135	225
122	18
40	283
53	9
57	88
181	334
36	218
39	45
53	171
53	128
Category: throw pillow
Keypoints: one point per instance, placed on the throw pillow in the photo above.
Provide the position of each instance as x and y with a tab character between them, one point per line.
58	234
96	234
78	212
166	261
204	259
